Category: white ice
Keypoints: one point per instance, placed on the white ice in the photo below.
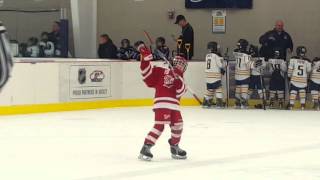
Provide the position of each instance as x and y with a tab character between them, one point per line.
104	145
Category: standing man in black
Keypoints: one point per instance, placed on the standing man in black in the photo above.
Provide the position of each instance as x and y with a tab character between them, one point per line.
187	36
276	39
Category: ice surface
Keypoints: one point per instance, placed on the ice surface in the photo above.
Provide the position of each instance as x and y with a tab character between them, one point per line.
104	145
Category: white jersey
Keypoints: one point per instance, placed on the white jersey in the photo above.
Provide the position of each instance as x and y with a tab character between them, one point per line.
257	71
298	71
33	51
243	66
315	75
214	64
48	48
278	65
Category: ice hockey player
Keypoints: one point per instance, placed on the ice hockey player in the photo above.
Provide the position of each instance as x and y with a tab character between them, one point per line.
46	47
33	49
5	57
315	83
298	70
256	77
126	51
162	48
277	67
242	74
215	69
169	88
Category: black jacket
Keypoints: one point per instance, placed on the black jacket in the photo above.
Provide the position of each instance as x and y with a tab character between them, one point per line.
187	37
107	50
272	40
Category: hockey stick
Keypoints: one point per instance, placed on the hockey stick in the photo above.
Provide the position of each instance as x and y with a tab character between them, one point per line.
147	35
264	98
226	58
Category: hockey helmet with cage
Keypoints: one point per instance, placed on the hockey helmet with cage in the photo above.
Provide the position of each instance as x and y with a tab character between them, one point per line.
301	51
243	45
180	63
254	50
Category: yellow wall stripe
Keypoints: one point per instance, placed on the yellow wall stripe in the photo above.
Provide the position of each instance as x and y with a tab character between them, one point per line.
73	106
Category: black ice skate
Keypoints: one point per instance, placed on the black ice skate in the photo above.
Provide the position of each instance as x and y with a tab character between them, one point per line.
145	153
220	103
238	104
281	104
258	106
290	106
271	105
177	152
303	107
207	103
244	104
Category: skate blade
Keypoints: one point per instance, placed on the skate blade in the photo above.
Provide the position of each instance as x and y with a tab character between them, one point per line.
178	157
144	158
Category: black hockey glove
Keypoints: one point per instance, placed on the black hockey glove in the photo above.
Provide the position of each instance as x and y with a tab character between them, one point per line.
258	63
222	71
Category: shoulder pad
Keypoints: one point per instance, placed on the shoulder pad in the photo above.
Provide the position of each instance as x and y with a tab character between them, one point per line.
316	59
307	59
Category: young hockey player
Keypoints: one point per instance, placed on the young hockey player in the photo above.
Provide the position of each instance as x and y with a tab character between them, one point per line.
242	76
298	70
126	51
277	68
215	69
257	68
315	83
162	48
33	48
169	88
46	47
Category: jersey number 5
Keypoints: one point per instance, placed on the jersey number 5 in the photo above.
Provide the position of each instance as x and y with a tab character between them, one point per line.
300	68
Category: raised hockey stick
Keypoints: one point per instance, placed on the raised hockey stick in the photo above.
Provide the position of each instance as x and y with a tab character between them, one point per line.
147	35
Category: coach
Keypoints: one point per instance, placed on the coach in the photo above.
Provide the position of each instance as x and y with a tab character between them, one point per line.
276	39
187	36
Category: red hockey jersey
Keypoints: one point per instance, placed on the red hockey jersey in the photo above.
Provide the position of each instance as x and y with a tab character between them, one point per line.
168	89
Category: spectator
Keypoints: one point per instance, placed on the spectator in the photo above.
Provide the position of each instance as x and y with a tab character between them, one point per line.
55	37
162	48
277	38
107	49
46	46
33	48
126	51
187	36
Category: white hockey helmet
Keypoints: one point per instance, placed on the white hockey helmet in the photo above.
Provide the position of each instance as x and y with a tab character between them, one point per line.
180	63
